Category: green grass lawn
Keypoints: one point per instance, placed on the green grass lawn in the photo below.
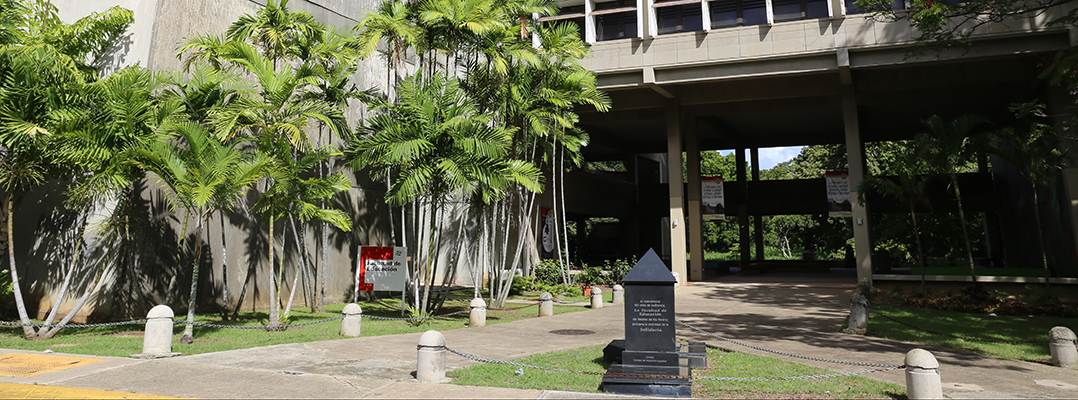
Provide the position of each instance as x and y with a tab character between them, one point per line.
123	341
721	363
976	326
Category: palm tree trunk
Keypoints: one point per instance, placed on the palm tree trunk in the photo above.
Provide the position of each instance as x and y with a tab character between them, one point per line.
189	330
1040	240
965	230
274	310
224	268
171	291
27	331
67	280
78	306
920	252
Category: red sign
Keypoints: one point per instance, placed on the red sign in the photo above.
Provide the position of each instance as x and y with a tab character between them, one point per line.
370	253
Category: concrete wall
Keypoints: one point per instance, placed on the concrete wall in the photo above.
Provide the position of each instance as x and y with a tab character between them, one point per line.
234	263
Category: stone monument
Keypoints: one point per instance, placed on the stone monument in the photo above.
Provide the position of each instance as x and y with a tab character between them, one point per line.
650	363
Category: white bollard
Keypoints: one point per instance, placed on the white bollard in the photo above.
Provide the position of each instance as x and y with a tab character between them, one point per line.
619	295
1062	344
596	298
157	339
677	279
430	363
478	315
352	324
546	304
922	376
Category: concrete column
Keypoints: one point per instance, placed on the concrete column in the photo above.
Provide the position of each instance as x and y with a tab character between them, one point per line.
478	314
922	376
596	298
619	295
430	362
352	324
1061	342
744	242
546	304
695	217
678	235
855	154
757	220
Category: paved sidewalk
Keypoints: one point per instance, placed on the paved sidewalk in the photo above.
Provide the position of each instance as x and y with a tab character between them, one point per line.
800	318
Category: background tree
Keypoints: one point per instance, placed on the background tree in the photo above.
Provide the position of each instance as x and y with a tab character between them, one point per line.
203	176
908	187
947	146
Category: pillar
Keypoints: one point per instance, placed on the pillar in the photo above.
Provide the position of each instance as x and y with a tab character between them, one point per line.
678	234
695	195
855	155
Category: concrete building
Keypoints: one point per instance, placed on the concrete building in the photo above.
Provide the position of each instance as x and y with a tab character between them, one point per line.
684	76
690	75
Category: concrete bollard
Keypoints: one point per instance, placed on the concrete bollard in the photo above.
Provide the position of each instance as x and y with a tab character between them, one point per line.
1062	344
478	315
677	278
352	324
619	295
430	363
922	376
157	339
859	310
546	304
596	298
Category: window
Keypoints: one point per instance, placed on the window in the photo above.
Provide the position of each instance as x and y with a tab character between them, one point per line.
723	13
615	20
731	13
852	9
569	15
679	16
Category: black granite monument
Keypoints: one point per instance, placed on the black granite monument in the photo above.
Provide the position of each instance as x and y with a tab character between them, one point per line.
649	363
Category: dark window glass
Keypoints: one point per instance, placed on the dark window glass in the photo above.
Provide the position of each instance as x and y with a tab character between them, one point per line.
667	19
786	10
723	13
753	12
691	18
816	9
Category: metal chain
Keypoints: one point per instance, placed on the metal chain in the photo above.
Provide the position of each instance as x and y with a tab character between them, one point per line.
512	309
488	360
415	318
957	337
798	378
265	327
787	354
99	325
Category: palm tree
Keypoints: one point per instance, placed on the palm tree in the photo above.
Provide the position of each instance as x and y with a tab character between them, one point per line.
1036	155
908	188
204	176
392	21
947	146
93	139
441	148
44	65
277	31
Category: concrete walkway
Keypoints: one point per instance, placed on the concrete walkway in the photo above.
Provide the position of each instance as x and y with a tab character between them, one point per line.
799	318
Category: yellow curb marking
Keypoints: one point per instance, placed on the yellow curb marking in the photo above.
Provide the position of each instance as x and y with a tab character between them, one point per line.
22	391
18	365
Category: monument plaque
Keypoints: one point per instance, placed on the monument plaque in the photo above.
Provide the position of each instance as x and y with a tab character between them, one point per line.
650	363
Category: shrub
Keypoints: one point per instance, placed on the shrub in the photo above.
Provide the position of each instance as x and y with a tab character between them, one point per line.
590	276
618	269
548	272
520	284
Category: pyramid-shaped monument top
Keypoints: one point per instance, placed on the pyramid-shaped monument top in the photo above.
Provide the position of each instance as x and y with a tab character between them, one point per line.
650	269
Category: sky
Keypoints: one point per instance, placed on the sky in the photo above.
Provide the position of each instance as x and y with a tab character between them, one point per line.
771	156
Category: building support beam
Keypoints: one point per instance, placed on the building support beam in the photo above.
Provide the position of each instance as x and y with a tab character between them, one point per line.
757	220
855	155
677	191
695	217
